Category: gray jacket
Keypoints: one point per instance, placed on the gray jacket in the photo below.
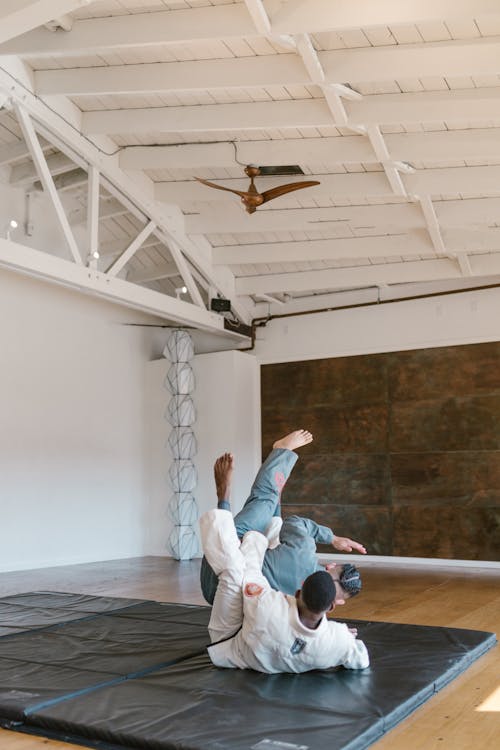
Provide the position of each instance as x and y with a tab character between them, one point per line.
287	565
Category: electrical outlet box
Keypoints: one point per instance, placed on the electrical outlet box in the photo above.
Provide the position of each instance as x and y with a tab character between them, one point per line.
220	305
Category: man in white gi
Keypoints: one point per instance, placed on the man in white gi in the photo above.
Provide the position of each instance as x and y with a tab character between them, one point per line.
291	556
253	626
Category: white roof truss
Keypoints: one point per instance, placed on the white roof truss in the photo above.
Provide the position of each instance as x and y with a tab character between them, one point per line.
418	146
398	120
46	179
45	266
20	16
469	106
234	21
47	269
390	273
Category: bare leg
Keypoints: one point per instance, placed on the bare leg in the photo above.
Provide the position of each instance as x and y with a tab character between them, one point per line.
223	475
294	440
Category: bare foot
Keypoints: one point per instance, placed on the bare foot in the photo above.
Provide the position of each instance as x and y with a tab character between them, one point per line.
294	440
223	473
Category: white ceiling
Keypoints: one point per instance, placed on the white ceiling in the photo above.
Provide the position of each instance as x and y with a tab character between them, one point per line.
393	106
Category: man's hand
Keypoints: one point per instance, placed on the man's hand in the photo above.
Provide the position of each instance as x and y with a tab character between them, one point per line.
353	631
343	544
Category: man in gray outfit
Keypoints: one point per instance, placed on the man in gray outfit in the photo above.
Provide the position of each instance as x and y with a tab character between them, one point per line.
291	556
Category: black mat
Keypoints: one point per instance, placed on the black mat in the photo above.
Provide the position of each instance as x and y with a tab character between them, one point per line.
103	642
44	608
128	674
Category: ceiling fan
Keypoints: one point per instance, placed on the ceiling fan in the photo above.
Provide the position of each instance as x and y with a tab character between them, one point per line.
252	199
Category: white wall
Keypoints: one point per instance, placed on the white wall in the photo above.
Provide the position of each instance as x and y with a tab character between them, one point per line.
72	485
228	406
73	439
464	318
75	445
227	400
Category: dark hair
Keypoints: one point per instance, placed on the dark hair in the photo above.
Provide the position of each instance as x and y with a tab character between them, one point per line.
318	591
350	580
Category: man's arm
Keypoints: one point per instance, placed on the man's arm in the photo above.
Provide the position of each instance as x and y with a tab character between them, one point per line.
344	544
258	596
357	656
253	548
296	527
347	650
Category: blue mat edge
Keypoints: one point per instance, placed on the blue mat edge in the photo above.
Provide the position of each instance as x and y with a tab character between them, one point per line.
385	724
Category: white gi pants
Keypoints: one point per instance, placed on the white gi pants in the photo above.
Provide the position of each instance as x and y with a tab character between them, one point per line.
233	562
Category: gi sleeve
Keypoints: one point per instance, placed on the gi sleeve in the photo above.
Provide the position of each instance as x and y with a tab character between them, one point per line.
357	656
257	591
296	528
347	650
253	548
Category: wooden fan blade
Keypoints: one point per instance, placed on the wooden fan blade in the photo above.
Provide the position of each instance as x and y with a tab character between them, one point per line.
275	192
220	187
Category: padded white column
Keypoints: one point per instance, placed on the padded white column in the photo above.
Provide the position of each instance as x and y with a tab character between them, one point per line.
182	475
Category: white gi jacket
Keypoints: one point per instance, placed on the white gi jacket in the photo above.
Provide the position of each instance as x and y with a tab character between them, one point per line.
272	638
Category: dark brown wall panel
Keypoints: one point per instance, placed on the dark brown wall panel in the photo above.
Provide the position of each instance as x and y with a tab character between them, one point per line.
406	452
452	424
436	373
341	479
465	478
447	531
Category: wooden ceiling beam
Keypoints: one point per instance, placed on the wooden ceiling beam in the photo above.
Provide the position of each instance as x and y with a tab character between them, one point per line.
437	182
353	184
193	75
219	220
89	36
20	16
465	105
387	273
416	243
296	16
481	143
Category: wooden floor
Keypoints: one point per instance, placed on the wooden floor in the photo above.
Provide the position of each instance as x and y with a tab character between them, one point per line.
451	720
